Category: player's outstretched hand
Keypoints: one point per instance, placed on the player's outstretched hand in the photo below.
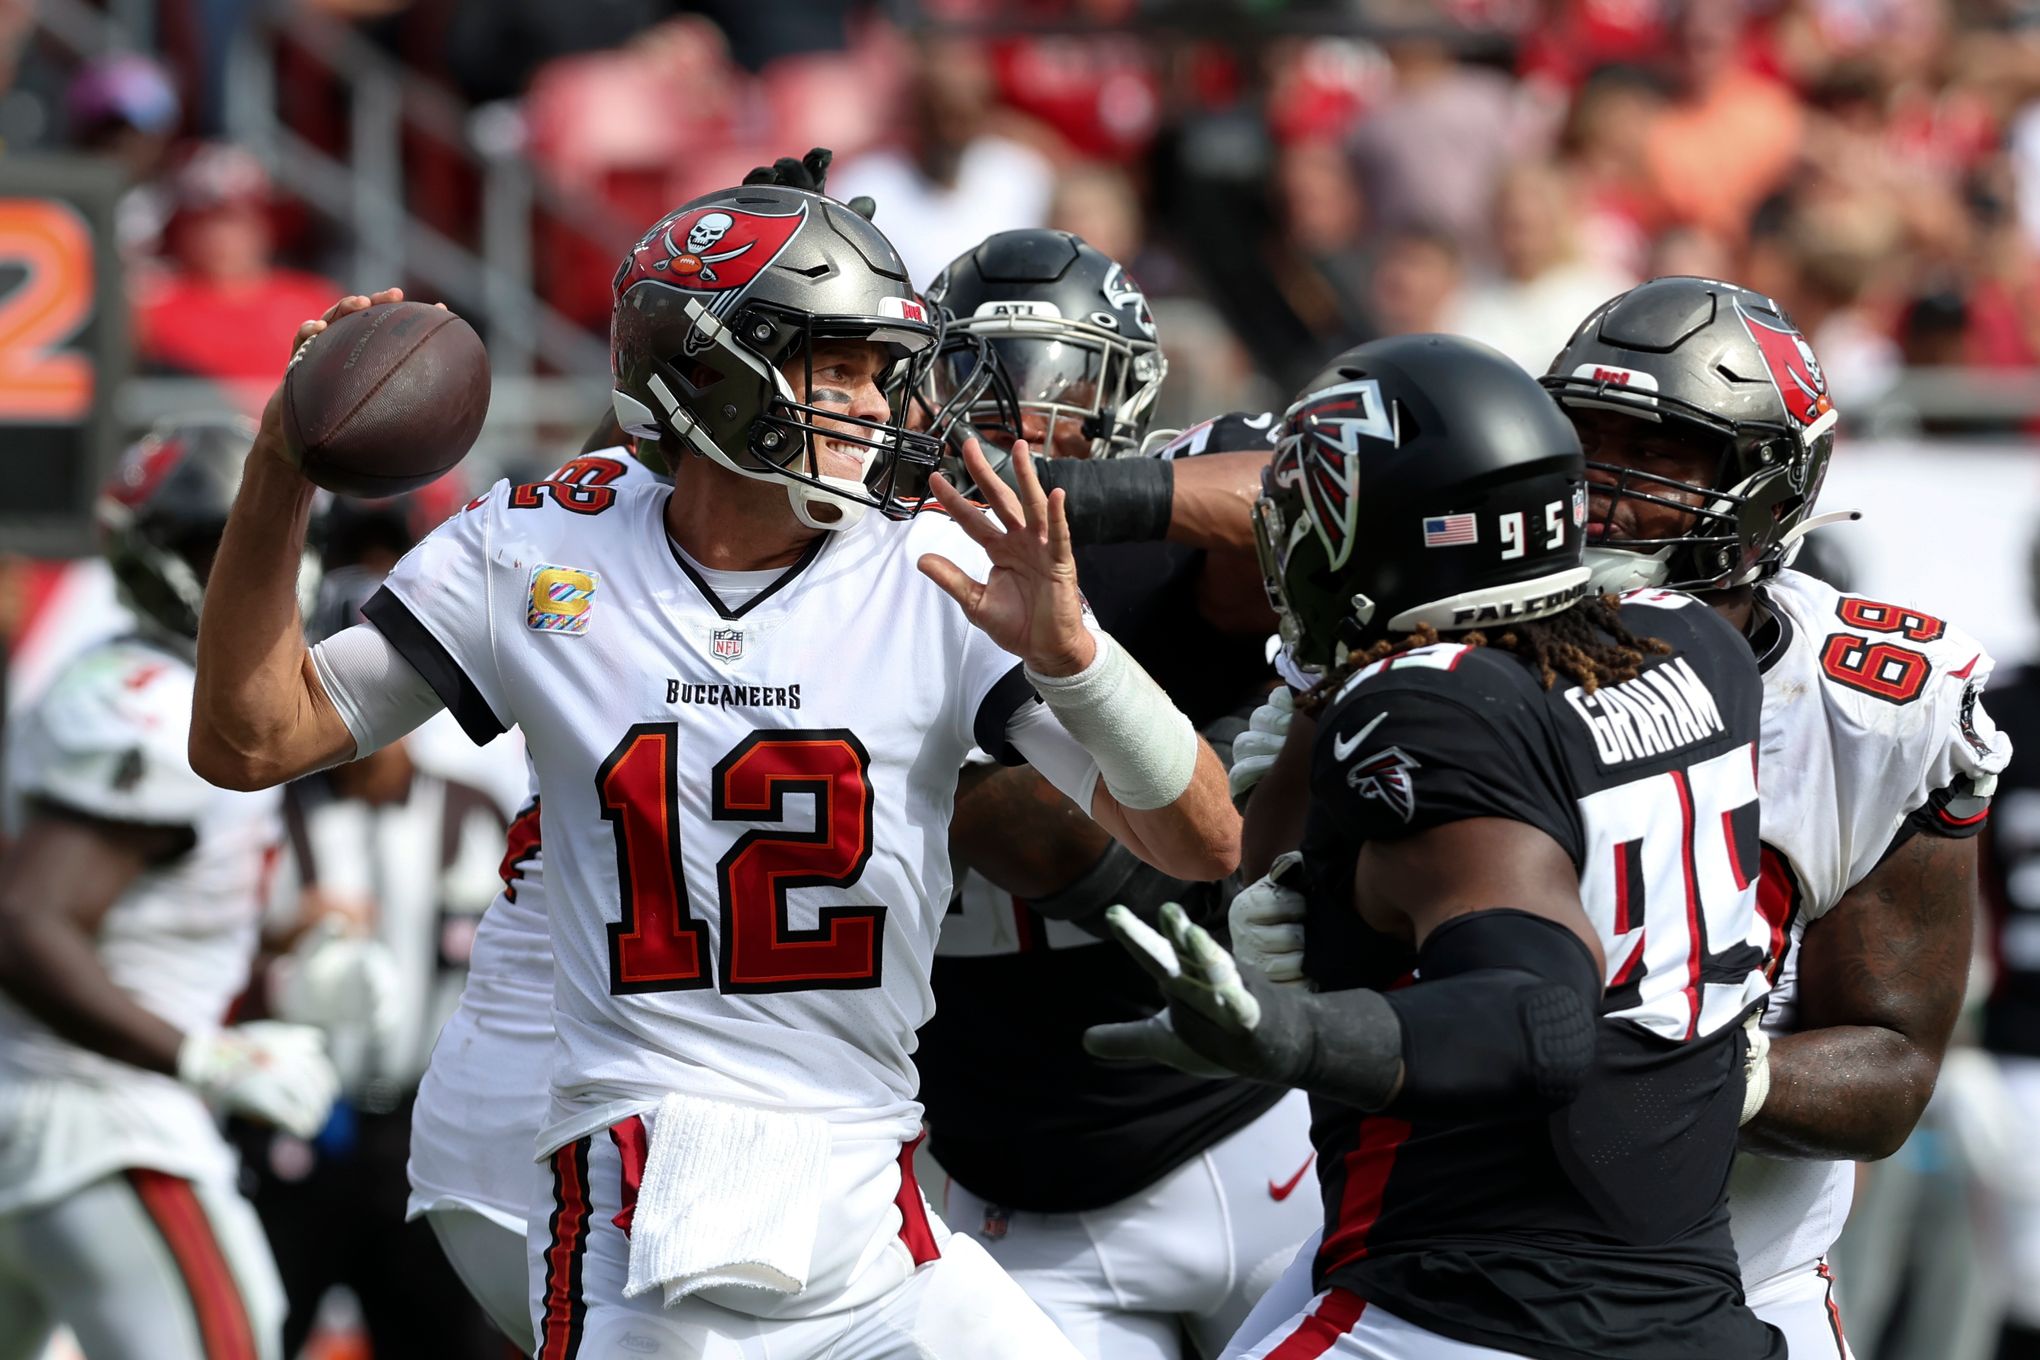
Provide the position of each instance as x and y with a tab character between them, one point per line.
266	1070
1222	1020
1266	921
1255	749
1029	604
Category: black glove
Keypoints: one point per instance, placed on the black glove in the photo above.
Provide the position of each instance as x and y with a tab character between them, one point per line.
810	172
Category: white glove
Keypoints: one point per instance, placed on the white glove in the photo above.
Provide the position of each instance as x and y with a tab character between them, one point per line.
1267	924
1756	1069
331	979
268	1070
1255	749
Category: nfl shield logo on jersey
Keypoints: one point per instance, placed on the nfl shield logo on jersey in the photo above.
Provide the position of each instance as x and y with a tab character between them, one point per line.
727	643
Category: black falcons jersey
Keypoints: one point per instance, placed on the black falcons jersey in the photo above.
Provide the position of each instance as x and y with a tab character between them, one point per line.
1017	1112
2011	874
1601	1230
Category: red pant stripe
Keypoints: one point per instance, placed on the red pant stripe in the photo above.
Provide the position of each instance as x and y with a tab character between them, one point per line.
565	1310
173	1206
914	1229
1321	1328
1823	1270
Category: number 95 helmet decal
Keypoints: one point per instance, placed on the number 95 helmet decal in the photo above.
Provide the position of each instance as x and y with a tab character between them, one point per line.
1421	479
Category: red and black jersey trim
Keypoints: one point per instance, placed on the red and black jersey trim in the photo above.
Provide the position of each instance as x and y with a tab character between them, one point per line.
414	641
521	844
1007	696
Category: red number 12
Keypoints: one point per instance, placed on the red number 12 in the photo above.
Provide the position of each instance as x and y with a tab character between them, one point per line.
659	945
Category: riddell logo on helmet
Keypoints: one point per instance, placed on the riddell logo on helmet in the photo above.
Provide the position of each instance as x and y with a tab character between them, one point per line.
1794	371
711	249
1624	377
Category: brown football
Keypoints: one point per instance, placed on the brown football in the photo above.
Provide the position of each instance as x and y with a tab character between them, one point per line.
386	399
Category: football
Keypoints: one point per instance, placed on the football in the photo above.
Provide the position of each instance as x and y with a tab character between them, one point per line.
386	399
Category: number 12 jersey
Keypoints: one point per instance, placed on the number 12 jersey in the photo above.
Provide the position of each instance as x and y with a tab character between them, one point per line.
745	802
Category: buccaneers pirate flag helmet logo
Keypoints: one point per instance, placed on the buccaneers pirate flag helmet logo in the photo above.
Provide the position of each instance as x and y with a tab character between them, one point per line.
714	249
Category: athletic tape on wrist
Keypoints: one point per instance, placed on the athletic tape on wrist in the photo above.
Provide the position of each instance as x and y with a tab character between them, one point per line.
1145	747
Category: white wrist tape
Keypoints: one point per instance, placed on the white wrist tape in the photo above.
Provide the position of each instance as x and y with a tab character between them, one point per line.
1145	747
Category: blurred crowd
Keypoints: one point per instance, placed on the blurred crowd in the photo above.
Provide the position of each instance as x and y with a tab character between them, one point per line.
1287	177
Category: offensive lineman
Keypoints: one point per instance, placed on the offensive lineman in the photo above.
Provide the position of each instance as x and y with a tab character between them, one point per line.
1134	1204
130	898
1693	395
1530	865
1708	428
704	1074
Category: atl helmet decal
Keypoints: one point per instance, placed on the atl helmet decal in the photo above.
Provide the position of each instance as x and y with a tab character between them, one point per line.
712	250
1322	457
1385	775
1122	292
1794	370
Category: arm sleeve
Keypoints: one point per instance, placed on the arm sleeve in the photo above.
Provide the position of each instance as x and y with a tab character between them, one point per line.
378	694
436	608
1041	740
1392	760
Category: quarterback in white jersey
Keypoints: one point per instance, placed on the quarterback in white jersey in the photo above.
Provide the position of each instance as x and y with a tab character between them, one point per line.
483	1099
130	895
747	700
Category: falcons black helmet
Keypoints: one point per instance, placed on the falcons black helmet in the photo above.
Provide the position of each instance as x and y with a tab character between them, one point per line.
1071	335
161	513
1726	367
719	296
1421	479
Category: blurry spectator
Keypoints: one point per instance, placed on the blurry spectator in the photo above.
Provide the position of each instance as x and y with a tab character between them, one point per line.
1097	202
1430	153
124	108
1605	145
1729	134
1690	251
1416	281
224	309
1543	284
1837	252
954	180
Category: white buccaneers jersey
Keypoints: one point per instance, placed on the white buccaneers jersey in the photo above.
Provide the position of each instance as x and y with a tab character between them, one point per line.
511	951
744	807
1873	729
108	741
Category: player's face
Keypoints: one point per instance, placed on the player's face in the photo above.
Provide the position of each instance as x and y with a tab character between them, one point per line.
1624	441
1067	440
845	379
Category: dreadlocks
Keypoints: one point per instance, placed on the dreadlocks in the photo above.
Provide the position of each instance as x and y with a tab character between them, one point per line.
1588	644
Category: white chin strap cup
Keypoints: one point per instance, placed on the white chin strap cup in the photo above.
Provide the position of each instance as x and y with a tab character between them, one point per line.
1615	571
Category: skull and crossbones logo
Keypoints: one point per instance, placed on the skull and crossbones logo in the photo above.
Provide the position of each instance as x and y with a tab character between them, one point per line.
696	258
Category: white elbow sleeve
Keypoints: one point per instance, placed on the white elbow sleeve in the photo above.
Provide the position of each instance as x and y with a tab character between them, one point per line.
1145	747
378	694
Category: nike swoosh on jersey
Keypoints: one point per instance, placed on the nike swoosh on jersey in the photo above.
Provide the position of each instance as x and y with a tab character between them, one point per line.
1278	1193
1345	746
